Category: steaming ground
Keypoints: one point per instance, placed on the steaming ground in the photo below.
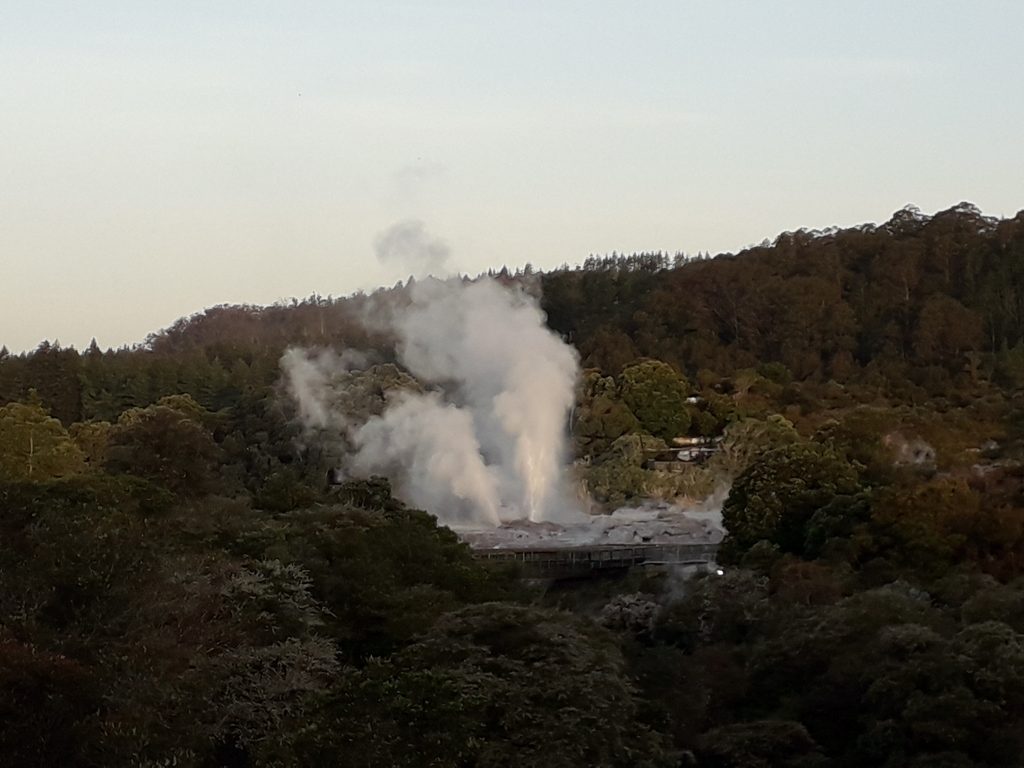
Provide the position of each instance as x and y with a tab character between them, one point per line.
649	523
487	441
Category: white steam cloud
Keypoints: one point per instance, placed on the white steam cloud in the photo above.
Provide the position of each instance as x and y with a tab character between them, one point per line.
489	442
407	245
430	447
309	383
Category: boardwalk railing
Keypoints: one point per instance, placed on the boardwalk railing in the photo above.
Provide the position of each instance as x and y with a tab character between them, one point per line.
571	562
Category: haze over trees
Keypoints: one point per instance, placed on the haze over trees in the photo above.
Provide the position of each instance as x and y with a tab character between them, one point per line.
180	586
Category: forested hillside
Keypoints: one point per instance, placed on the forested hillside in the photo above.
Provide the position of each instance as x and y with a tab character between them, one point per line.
911	305
918	299
179	584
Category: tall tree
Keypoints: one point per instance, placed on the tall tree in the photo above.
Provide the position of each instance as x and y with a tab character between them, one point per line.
35	446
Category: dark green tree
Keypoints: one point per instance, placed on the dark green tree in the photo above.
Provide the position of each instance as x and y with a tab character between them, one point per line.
491	685
656	394
775	498
166	445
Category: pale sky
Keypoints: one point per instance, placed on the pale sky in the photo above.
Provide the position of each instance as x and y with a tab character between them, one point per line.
159	158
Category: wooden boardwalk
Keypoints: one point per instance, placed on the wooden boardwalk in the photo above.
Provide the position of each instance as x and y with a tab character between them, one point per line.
588	561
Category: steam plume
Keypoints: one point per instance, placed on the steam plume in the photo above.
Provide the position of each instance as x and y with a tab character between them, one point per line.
408	245
490	440
430	448
308	379
516	376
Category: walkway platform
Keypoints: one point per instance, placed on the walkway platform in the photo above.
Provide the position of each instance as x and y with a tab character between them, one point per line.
589	561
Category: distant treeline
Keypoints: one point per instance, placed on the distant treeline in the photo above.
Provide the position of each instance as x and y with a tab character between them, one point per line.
918	298
916	304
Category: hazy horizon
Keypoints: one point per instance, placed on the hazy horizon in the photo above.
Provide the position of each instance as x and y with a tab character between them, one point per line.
161	160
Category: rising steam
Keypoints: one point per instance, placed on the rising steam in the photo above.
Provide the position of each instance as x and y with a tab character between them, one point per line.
430	447
488	442
407	245
309	379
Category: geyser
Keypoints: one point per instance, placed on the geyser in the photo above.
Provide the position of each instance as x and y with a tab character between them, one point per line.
487	442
